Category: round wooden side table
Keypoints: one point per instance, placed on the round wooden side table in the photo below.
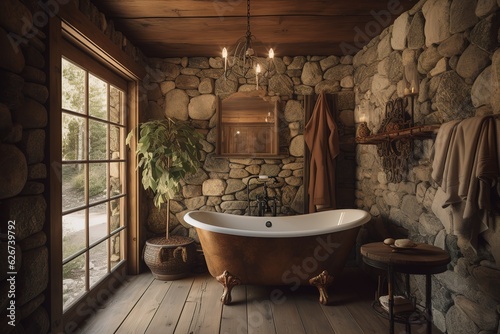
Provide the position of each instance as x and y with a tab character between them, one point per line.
423	259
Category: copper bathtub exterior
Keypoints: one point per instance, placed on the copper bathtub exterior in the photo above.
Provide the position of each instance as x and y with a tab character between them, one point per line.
284	260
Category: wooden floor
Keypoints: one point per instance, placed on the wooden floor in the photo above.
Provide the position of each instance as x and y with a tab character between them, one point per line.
192	305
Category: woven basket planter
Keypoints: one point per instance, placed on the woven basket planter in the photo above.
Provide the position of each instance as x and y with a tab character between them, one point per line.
169	259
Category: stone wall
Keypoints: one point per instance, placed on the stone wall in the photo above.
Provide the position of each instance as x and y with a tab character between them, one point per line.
24	165
187	89
456	46
23	114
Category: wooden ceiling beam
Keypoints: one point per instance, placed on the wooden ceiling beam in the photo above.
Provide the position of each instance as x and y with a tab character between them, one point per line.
237	8
177	28
212	35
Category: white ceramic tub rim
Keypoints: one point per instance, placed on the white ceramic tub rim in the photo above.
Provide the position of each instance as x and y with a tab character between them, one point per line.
310	224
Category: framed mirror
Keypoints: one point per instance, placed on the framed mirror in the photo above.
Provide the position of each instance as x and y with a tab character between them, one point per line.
248	125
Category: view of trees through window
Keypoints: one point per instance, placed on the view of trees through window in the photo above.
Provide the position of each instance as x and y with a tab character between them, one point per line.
93	172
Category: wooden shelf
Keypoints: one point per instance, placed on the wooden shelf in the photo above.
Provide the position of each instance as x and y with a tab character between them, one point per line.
419	132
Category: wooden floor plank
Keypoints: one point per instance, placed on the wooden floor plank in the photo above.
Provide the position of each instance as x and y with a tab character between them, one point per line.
259	310
208	316
366	318
234	315
360	288
341	319
166	317
192	305
114	312
186	318
285	313
139	318
311	314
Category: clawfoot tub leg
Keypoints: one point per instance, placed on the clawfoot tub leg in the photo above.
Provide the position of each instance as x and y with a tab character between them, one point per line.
322	282
228	281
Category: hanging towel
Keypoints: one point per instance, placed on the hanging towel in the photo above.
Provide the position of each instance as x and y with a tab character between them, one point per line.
322	139
444	137
466	167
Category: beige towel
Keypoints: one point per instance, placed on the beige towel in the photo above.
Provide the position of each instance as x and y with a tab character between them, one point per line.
461	160
443	213
444	137
467	177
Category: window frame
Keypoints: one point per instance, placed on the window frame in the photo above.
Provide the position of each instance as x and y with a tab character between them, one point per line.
91	67
75	27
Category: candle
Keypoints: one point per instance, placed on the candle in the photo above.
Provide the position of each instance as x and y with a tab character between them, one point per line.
407	91
224	55
257	71
271	53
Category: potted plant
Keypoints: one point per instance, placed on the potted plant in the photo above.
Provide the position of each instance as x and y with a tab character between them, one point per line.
167	151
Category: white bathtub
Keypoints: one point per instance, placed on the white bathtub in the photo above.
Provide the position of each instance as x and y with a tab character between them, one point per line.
283	226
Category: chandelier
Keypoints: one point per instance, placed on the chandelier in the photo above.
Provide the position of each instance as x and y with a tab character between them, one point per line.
243	60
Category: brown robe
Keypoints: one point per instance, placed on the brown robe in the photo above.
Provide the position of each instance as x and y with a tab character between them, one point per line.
322	139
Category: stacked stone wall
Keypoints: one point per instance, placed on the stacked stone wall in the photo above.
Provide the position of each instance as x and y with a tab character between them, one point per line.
188	89
24	165
455	44
23	132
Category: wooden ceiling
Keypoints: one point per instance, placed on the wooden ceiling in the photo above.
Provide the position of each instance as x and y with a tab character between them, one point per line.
177	28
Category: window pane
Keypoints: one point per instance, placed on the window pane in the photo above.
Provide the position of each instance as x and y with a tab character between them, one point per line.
115	142
97	140
116	249
73	280
115	213
98	262
115	182
115	105
73	87
97	182
98	102
73	186
74	239
73	137
98	222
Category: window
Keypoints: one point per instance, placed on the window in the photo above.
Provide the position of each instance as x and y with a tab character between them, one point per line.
248	126
94	193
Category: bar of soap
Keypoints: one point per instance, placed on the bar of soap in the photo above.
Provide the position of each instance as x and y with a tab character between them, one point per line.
389	241
404	243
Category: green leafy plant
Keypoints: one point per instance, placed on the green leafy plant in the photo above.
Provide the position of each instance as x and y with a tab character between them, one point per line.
168	150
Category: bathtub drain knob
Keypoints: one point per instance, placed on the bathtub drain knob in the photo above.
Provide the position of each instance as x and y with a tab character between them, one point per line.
269	224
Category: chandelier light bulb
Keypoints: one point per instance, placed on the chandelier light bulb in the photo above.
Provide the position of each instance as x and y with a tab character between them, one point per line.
257	71
224	55
271	53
